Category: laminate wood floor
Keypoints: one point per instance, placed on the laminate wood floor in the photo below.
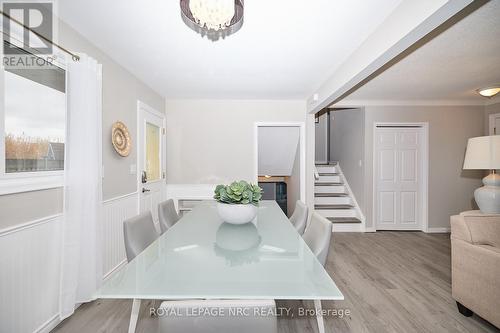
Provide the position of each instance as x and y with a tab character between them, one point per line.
392	282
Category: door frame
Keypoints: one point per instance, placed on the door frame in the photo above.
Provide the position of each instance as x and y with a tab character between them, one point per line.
141	106
491	124
302	142
424	127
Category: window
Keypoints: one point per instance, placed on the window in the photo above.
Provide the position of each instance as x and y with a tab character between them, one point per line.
33	123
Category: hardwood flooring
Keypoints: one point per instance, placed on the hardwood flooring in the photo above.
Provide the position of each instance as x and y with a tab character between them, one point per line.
392	282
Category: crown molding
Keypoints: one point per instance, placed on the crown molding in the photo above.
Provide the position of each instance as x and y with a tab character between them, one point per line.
362	103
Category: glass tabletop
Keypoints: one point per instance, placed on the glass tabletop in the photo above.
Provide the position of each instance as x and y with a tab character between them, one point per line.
203	257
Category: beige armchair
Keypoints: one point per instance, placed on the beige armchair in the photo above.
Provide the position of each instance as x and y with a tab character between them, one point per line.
475	264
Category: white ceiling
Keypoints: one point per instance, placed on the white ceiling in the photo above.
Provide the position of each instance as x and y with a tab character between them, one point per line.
277	150
450	67
284	50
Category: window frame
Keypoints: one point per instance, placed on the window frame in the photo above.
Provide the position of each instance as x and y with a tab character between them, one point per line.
18	182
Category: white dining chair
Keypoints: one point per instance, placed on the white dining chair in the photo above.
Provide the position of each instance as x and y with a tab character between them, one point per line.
138	232
318	235
219	316
167	215
299	217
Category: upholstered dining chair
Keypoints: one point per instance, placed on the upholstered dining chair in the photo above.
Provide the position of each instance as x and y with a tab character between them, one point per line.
242	316
167	215
299	217
139	232
317	236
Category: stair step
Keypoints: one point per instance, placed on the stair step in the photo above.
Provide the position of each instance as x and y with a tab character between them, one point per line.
333	206
328	174
343	219
331	194
336	200
328	184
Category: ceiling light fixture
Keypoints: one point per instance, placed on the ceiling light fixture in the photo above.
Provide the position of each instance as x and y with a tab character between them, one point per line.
489	91
213	18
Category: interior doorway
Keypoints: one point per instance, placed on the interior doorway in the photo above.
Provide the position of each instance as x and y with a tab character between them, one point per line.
279	155
151	158
400	174
494	128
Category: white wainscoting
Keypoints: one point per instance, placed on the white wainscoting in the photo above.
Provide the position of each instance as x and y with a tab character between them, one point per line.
116	210
29	275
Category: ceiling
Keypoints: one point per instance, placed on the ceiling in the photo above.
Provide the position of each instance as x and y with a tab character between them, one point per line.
283	51
278	148
448	67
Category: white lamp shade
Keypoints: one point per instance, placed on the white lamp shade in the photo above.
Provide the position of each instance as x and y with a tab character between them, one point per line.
483	153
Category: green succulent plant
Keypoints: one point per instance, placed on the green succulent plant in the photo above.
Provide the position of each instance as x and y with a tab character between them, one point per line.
238	193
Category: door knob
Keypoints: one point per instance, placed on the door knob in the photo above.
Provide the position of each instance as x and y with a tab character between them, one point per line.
145	190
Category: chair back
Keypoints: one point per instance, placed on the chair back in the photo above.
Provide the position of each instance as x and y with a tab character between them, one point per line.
318	235
139	232
226	316
167	215
299	217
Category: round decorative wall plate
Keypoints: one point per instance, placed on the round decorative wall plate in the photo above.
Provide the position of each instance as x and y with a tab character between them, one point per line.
120	137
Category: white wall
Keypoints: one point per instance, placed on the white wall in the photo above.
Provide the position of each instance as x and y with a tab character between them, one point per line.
212	141
321	134
451	189
277	149
347	142
293	183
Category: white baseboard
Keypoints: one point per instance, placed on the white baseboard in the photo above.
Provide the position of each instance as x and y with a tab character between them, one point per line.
49	325
438	230
371	229
348	227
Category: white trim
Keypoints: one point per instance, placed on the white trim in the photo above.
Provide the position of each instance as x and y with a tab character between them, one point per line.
302	128
443	230
11	185
29	225
406	102
114	269
49	325
348	227
119	197
491	124
425	172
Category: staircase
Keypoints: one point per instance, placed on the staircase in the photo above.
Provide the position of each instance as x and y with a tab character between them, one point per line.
334	200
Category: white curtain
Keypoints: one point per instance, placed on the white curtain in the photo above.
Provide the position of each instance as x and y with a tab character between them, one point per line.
81	266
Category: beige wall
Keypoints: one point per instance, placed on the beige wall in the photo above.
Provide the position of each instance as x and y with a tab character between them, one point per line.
347	141
29	206
121	90
212	141
451	190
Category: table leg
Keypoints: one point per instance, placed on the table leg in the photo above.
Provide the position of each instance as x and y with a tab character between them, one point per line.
319	316
134	315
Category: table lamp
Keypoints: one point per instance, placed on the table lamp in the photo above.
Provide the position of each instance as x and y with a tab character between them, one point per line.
483	153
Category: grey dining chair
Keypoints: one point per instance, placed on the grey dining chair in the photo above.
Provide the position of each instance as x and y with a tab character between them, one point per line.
228	316
139	232
167	215
299	217
317	236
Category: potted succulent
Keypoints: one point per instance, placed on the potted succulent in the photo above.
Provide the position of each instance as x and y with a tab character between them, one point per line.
237	203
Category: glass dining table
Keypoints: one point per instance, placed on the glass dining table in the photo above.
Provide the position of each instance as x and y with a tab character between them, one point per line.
202	257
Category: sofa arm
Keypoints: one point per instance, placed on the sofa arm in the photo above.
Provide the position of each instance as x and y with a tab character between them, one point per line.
459	229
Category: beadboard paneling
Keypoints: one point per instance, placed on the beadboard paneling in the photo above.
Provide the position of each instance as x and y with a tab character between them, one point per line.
115	212
29	275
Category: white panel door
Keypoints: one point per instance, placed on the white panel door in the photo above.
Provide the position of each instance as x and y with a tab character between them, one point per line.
495	124
398	202
151	158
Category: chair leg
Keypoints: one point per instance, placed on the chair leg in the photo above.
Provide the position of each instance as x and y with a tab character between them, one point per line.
464	310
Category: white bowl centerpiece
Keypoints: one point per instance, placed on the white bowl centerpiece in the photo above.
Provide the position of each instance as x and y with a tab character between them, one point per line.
237	203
